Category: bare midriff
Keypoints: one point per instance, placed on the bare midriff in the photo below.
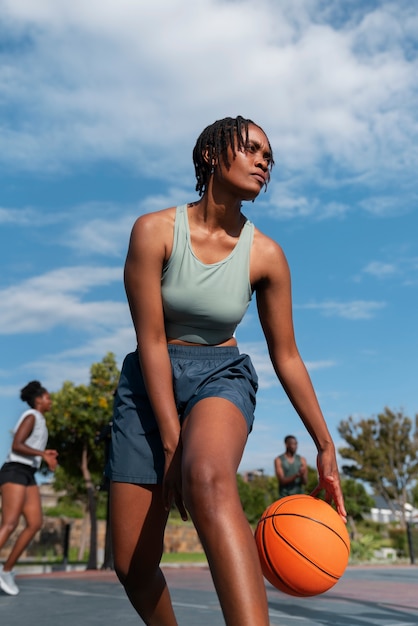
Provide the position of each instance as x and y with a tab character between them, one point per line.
225	344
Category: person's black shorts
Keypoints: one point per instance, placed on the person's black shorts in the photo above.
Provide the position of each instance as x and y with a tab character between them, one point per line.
17	473
136	453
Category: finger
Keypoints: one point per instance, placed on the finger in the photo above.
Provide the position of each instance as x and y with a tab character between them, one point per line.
181	508
341	508
316	491
167	498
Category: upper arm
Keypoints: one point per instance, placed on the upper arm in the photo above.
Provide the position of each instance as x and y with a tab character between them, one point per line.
278	467
142	275
24	430
274	301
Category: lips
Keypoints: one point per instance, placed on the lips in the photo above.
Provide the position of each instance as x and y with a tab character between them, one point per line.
260	177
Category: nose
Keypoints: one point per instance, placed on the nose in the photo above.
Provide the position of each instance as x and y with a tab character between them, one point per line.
262	162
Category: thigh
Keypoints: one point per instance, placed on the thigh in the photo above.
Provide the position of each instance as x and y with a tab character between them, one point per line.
32	509
13	500
138	521
214	435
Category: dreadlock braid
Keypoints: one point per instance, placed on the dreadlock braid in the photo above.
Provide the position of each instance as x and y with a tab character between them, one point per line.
212	147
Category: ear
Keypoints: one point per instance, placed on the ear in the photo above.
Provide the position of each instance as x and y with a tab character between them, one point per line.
206	157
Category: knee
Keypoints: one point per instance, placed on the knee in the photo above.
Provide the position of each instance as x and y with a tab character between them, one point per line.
34	525
139	583
204	489
136	574
9	526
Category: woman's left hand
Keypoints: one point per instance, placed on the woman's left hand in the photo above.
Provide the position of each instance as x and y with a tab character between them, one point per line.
172	486
51	459
329	480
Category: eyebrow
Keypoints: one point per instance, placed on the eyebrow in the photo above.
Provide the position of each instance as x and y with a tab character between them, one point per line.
257	145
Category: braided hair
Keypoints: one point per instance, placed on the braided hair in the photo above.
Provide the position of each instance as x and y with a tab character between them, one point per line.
31	391
212	147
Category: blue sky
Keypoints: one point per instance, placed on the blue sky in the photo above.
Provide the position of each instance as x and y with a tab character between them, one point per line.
100	106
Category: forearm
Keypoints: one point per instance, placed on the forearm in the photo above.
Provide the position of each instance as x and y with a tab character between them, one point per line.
287	480
156	369
296	382
25	450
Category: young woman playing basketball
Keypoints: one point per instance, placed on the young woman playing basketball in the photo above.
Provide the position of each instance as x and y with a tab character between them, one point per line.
185	402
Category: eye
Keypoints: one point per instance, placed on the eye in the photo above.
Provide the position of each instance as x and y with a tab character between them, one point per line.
250	147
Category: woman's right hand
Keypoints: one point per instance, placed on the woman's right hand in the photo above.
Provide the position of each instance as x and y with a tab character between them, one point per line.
172	485
51	459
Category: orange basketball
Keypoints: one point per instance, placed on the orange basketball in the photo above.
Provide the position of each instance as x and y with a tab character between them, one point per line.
303	545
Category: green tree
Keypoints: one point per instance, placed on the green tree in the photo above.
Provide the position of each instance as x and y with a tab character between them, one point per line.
78	416
356	499
256	494
357	502
312	481
384	451
414	496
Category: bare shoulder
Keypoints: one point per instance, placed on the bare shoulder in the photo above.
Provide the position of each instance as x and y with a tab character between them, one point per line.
154	221
26	425
268	260
153	232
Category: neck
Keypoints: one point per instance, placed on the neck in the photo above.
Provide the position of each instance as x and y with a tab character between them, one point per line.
218	214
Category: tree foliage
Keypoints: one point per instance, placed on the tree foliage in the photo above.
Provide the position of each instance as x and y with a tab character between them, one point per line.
384	451
256	495
356	499
78	416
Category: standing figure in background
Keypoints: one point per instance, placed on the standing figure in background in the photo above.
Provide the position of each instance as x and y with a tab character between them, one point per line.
19	491
291	469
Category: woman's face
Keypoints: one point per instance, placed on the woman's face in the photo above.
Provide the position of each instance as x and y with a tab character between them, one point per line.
249	169
43	403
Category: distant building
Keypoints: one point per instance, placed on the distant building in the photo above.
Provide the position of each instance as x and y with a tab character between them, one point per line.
49	497
382	512
249	476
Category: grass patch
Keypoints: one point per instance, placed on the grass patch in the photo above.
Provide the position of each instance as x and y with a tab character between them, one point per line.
184	557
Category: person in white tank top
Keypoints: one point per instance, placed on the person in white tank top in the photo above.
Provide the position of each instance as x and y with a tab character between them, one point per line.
20	493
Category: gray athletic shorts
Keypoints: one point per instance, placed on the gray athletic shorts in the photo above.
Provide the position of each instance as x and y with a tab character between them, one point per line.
136	452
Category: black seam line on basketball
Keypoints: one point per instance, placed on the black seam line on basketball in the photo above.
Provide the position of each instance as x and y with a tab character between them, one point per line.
308	559
272	567
312	519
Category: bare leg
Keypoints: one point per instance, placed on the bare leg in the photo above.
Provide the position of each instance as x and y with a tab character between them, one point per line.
214	436
19	500
138	522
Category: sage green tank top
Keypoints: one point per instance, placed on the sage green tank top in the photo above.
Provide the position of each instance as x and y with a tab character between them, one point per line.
205	303
289	469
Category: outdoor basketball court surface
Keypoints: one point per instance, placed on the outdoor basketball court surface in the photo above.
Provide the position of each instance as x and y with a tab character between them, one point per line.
365	596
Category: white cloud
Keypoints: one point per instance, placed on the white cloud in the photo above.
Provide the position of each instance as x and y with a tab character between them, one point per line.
287	202
136	83
389	206
352	310
104	228
55	299
319	365
261	360
404	268
20	217
74	364
380	270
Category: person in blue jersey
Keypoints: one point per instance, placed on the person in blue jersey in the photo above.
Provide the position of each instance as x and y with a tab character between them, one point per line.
19	491
185	402
291	469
